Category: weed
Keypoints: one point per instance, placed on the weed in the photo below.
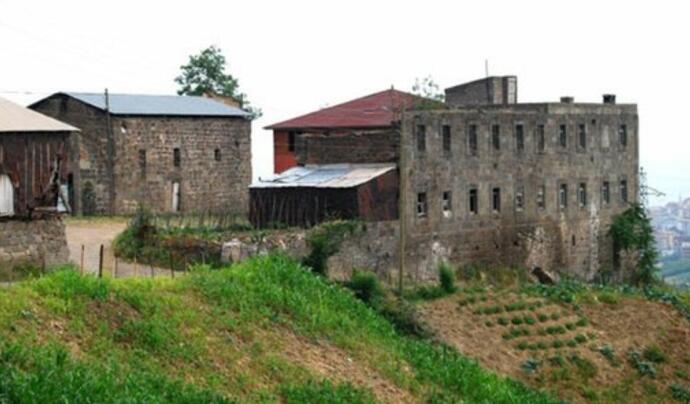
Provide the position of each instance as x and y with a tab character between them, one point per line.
571	343
582	322
543	317
516	320
489	323
446	276
531	365
580	338
585	368
654	354
608	352
570	326
366	287
541	345
555	316
325	241
503	321
644	368
557	343
325	392
680	393
522	345
529	320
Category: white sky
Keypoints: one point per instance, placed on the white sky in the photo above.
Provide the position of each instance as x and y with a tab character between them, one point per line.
292	57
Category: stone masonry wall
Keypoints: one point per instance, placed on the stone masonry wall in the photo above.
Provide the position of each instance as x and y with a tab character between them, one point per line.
38	242
571	240
375	146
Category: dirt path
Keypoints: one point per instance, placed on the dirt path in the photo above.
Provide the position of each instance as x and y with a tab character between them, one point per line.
90	234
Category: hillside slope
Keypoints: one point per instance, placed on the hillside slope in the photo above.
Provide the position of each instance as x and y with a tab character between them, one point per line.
265	330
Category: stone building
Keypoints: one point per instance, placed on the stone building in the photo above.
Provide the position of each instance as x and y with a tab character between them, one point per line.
169	153
489	181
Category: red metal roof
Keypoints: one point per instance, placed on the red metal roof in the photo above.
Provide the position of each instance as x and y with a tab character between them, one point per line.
377	110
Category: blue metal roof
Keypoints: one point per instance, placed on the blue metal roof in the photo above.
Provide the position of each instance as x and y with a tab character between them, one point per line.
325	176
178	105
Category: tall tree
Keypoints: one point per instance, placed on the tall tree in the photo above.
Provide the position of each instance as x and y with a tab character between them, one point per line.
205	73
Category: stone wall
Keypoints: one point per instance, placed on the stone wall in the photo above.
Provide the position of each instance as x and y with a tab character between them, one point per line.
374	146
570	239
37	242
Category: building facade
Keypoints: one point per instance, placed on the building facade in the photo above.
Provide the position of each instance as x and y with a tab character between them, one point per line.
168	153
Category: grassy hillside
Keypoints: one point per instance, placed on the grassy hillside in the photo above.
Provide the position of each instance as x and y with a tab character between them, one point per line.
265	330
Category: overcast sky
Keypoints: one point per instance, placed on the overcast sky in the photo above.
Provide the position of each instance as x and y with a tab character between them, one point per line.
292	57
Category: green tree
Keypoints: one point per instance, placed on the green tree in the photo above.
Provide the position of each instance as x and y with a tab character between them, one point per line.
205	73
431	97
632	231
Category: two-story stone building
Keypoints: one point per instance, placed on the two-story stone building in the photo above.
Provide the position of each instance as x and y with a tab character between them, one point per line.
169	153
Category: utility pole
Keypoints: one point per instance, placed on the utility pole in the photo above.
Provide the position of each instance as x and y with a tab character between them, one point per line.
110	158
402	210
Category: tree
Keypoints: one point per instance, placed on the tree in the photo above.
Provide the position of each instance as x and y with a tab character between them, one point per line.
632	231
205	74
430	95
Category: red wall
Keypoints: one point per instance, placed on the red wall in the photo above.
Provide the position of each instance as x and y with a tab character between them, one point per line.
283	158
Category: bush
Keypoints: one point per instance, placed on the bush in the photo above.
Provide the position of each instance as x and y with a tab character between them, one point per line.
325	241
632	231
654	354
446	276
366	287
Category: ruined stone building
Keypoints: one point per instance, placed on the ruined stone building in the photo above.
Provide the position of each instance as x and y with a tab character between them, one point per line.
486	180
168	153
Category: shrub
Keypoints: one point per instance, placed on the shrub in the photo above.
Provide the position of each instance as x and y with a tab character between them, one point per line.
571	343
582	322
570	326
516	320
644	368
489	323
541	345
531	365
607	352
580	338
325	241
557	360
632	231
586	368
680	393
529	320
366	287
558	344
543	317
503	321
555	316
522	345
654	354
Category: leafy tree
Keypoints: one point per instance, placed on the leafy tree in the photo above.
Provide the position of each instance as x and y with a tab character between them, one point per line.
632	231
430	95
205	73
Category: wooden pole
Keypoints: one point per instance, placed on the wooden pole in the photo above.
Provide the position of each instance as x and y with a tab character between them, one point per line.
100	262
402	210
136	267
115	268
81	266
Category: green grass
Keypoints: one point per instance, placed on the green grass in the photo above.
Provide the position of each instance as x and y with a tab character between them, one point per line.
214	336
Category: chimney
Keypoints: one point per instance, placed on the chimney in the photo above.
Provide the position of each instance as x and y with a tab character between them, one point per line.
567	100
609	98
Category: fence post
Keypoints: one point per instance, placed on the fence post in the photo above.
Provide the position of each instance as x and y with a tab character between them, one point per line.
81	267
100	262
136	267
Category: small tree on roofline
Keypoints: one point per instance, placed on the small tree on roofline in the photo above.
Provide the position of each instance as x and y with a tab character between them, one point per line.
431	96
632	231
205	74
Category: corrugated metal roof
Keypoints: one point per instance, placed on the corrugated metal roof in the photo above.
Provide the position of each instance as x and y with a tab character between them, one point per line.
325	176
15	118
376	110
177	105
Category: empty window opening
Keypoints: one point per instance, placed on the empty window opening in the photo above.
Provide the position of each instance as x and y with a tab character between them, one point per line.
421	138
6	196
624	191
606	193
292	138
582	136
519	198
496	200
216	154
582	194
541	197
142	162
472	140
541	138
474	202
573	240
447	203
563	136
623	135
563	196
496	137
519	137
177	157
421	205
176	196
445	130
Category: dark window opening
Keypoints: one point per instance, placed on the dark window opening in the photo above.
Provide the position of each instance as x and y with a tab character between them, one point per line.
496	137
447	202
474	202
563	136
605	193
623	135
496	200
421	138
216	154
563	196
472	140
421	204
520	137
541	138
541	198
177	157
292	138
519	198
624	191
142	162
582	195
573	240
582	136
445	129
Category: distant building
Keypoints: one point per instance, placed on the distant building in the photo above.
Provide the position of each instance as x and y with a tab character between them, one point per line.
34	161
487	180
169	153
